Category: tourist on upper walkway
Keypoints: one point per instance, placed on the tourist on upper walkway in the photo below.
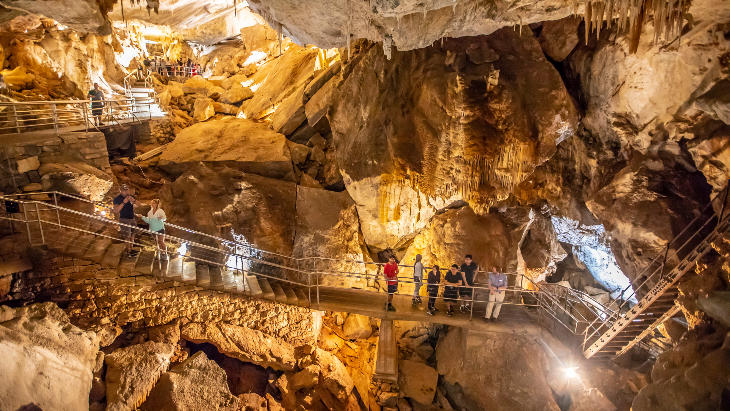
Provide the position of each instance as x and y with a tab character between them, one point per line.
497	291
453	280
97	103
124	205
417	279
390	271
468	269
156	219
434	279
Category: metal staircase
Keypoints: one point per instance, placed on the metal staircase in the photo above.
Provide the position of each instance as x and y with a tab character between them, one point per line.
614	335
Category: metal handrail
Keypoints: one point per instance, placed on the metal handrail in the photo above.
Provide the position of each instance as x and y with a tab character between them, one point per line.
659	271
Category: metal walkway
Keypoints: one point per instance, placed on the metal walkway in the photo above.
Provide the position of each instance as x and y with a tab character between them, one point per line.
42	118
73	226
656	285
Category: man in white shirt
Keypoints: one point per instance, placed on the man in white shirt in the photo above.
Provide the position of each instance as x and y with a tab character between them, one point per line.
497	291
417	279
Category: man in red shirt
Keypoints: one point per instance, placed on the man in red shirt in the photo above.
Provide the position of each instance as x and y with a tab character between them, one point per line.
390	270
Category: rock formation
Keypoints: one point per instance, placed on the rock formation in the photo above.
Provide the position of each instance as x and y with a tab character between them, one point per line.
47	361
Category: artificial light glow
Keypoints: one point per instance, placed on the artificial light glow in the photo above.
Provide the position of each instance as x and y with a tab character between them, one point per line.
570	372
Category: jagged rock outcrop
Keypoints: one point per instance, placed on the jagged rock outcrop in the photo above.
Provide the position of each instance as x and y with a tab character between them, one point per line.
497	371
243	343
482	129
133	371
196	384
229	203
234	142
47	361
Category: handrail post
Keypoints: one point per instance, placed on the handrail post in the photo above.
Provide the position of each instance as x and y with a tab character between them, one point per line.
55	118
27	223
40	224
15	117
58	214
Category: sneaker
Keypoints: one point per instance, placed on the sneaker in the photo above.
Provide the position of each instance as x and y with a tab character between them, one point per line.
429	312
390	307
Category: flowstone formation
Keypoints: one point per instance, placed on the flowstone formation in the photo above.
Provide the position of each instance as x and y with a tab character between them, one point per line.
487	111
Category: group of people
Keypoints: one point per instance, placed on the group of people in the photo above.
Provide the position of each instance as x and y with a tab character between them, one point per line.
458	286
124	205
177	67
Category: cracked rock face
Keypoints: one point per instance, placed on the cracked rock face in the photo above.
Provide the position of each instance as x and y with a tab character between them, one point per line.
467	120
46	360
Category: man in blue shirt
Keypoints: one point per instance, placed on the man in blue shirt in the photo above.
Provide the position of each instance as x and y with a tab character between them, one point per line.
497	290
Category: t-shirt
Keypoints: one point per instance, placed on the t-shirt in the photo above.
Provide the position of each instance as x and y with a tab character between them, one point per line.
127	210
418	270
391	273
469	271
498	280
434	278
452	278
96	95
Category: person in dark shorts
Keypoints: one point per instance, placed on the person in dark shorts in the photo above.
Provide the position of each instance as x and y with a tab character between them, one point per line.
124	205
468	269
96	95
390	271
453	281
432	286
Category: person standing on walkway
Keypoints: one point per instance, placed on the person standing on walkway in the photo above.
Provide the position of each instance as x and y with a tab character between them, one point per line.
96	95
390	271
434	279
156	219
124	205
417	279
453	280
497	291
468	269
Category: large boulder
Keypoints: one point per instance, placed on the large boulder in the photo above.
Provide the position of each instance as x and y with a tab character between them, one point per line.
46	360
418	381
243	343
327	225
239	143
496	371
133	371
280	78
481	129
227	202
196	384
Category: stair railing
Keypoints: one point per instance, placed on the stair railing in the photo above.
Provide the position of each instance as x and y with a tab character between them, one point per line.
686	248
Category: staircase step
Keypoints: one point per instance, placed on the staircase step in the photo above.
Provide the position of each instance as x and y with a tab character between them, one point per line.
189	272
97	249
291	297
216	278
80	245
202	276
113	255
144	262
175	269
252	286
278	291
301	294
266	290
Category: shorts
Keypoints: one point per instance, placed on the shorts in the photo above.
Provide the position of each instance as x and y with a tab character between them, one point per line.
392	289
465	291
125	231
451	294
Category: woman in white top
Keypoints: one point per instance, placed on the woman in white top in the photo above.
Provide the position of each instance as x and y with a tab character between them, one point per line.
156	219
417	279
